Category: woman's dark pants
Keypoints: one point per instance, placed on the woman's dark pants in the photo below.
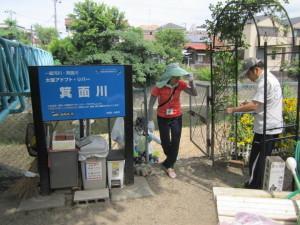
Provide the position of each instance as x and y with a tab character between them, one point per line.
170	133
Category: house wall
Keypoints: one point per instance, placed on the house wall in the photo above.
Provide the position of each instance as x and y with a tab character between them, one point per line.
199	58
297	33
251	36
272	37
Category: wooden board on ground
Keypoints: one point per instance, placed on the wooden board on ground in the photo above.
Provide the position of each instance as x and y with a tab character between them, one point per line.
230	201
217	191
230	219
274	208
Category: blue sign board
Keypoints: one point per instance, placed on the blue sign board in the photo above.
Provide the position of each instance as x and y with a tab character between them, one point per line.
81	92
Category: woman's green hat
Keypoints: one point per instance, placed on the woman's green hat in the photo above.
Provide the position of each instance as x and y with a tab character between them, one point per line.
172	70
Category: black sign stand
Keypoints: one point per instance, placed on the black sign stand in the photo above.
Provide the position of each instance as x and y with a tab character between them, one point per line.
40	133
128	127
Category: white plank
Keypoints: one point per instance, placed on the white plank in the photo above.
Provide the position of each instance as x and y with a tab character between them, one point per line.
231	219
281	209
247	193
285	205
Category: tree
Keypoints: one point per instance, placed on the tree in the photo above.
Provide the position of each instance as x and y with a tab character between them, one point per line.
89	20
173	42
237	12
45	35
14	32
101	35
63	50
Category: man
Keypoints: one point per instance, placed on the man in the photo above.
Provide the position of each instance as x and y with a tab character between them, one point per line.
253	70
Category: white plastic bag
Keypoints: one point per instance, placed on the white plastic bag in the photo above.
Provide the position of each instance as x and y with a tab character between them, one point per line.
117	132
154	138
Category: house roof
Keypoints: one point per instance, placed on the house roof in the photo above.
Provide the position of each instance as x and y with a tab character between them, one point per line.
294	20
197	38
196	46
171	26
261	18
149	27
257	19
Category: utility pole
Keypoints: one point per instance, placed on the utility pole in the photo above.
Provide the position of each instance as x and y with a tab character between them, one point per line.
10	13
55	13
31	35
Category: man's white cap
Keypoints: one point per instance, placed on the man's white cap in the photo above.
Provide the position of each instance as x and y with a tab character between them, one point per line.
248	64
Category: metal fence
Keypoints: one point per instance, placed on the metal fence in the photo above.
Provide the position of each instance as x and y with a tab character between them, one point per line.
14	78
200	118
229	145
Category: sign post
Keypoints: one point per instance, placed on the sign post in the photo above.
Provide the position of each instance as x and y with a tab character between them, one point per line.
62	93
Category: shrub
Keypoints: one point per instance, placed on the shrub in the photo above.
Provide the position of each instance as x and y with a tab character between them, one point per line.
203	73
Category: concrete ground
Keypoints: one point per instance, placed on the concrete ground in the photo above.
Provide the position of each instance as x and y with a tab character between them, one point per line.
181	201
186	200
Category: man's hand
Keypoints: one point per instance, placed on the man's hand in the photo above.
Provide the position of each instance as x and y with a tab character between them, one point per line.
230	110
190	77
244	107
151	126
244	103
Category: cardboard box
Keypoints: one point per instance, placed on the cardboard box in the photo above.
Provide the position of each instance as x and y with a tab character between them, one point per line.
274	174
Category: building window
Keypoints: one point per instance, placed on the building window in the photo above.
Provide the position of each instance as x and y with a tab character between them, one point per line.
268	31
200	58
150	32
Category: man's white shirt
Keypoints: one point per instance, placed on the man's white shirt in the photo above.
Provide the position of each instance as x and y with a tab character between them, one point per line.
274	105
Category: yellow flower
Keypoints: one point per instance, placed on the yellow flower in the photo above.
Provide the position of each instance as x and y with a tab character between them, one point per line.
231	139
240	143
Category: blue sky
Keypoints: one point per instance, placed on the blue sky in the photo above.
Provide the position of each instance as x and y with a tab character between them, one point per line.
138	12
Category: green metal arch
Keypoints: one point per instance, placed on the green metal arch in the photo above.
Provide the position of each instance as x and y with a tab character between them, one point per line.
251	15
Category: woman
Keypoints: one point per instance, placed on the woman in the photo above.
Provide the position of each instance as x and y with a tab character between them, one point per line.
169	114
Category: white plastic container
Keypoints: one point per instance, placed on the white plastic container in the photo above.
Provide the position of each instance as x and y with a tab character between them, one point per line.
92	155
63	141
274	174
115	168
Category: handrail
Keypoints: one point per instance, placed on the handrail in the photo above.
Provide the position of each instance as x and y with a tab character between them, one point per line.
14	77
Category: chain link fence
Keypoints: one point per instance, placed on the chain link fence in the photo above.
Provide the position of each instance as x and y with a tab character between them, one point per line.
14	157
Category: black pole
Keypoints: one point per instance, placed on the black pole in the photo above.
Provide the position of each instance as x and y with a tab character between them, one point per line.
190	116
236	98
208	142
265	100
88	127
81	128
212	102
298	96
128	126
109	132
146	127
42	154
